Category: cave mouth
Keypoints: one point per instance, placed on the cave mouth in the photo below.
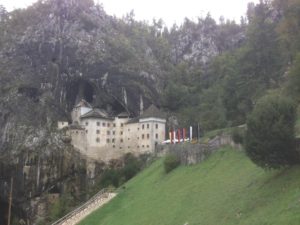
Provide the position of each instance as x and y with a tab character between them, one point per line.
78	90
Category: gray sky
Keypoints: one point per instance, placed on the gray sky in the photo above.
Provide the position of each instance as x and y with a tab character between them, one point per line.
169	10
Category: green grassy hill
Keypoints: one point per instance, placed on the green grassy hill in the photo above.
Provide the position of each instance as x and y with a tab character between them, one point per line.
225	189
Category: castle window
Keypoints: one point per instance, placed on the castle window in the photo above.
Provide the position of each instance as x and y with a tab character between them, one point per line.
76	131
114	132
143	146
121	140
148	126
147	146
97	140
107	140
103	124
114	125
148	136
143	136
114	146
97	131
86	123
143	126
113	140
156	136
122	124
128	129
108	124
138	128
128	138
121	132
156	126
108	132
86	131
98	124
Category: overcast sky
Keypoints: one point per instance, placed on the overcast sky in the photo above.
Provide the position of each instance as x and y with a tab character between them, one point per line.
169	10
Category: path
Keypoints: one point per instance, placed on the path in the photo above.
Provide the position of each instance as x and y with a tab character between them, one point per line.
91	205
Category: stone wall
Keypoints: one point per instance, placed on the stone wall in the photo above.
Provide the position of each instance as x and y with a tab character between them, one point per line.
190	154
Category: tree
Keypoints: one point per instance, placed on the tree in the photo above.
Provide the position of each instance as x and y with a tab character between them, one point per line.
269	140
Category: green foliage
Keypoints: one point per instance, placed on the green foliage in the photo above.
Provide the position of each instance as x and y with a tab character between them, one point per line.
116	176
270	141
227	188
171	161
293	86
237	135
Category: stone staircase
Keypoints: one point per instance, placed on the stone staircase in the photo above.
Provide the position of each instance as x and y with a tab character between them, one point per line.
97	201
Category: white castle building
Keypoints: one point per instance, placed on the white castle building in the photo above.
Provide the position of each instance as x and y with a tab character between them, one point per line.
100	136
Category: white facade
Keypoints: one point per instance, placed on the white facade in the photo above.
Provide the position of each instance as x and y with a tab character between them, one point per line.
103	138
62	124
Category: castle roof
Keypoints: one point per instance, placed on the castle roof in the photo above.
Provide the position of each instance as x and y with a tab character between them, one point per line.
152	111
83	103
96	113
123	115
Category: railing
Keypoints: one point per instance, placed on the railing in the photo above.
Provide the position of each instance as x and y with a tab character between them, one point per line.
102	193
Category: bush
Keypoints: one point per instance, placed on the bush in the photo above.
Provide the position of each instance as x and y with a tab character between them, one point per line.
237	136
269	139
171	162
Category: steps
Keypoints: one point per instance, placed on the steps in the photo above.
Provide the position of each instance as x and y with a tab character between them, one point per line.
91	205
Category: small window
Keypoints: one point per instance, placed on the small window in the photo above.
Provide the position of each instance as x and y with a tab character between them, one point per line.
97	131
138	128
114	132
143	136
128	129
76	131
113	140
128	138
103	124
98	124
147	146
86	123
148	136
62	123
138	146
156	126
107	140
143	126
121	132
148	126
120	147
122	124
121	140
114	146
108	132
156	136
128	146
86	131
108	124
114	125
97	140
143	146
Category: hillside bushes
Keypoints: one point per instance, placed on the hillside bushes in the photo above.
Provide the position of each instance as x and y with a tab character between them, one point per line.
171	162
269	139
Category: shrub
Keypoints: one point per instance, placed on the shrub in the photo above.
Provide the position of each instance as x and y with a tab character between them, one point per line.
269	139
237	136
171	162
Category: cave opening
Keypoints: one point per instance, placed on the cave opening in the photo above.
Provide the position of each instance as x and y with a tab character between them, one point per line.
78	90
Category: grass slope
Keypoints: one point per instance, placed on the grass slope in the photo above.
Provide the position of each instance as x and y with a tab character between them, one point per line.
225	189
